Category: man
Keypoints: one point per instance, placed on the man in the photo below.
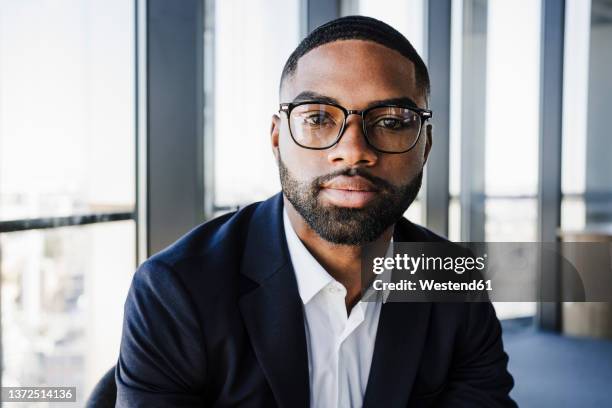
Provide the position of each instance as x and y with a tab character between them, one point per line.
262	307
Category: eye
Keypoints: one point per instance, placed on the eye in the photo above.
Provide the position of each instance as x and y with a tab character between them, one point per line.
318	119
393	123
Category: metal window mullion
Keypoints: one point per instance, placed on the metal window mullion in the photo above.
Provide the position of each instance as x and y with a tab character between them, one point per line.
317	12
550	139
140	59
67	221
473	117
438	39
208	64
173	173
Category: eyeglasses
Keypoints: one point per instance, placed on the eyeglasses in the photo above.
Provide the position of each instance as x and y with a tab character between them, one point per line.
387	128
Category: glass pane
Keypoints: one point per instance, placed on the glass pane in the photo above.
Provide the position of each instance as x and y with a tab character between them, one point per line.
598	181
575	94
413	213
573	213
63	292
511	220
454	219
495	122
252	41
587	169
66	107
498	118
454	178
406	16
512	98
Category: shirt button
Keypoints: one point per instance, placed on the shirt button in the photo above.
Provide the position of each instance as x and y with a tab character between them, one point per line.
333	289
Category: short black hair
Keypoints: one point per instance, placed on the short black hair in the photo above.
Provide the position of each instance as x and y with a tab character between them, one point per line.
359	28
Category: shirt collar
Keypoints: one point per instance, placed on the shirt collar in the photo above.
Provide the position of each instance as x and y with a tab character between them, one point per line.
311	276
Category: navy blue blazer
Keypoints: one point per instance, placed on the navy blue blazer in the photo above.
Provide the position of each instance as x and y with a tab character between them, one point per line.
216	320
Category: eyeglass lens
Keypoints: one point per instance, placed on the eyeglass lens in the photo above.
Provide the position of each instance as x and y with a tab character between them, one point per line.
391	129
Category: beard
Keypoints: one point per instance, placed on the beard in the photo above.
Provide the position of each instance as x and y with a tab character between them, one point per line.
346	225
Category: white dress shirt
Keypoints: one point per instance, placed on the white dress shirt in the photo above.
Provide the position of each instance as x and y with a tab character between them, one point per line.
340	346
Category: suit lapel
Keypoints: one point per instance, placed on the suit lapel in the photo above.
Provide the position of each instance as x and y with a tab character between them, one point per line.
399	341
401	334
273	312
273	316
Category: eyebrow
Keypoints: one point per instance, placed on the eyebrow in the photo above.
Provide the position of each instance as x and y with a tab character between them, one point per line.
315	96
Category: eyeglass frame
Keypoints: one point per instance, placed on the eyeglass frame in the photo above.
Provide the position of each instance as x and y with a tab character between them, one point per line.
424	115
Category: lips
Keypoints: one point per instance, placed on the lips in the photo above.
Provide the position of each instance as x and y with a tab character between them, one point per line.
353	192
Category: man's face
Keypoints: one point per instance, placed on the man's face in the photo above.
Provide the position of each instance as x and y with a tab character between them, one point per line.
350	193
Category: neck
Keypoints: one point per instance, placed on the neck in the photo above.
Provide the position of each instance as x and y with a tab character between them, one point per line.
342	262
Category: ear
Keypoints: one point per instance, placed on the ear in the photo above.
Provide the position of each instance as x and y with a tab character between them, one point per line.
428	142
275	134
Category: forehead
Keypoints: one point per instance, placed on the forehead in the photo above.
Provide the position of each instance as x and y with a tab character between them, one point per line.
354	72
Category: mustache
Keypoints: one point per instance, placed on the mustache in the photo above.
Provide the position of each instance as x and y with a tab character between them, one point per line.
378	182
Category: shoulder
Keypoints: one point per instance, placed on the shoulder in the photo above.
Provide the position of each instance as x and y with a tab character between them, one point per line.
195	260
406	230
211	237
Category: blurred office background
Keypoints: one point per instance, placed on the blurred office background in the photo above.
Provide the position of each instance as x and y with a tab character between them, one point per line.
123	124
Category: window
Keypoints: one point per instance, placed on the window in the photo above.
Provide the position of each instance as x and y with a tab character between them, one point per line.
587	195
252	40
66	158
62	302
494	135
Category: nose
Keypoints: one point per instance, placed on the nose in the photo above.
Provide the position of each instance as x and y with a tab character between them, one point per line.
352	148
